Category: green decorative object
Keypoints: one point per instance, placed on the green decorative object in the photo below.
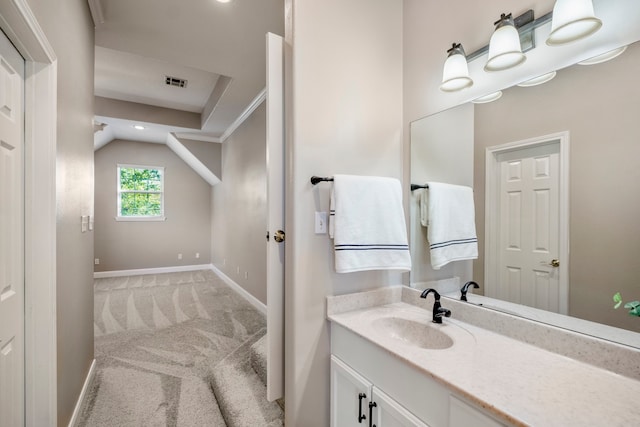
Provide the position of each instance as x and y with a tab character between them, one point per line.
617	298
633	306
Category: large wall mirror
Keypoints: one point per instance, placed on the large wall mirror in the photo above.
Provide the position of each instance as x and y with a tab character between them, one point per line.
584	126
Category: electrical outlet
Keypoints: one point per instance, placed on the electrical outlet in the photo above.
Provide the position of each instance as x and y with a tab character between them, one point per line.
246	274
197	255
238	270
96	261
224	261
179	256
321	223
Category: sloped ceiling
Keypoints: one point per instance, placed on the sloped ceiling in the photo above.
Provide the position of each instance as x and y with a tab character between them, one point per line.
218	47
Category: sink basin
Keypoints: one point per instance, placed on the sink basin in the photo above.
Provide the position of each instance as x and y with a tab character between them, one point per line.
412	332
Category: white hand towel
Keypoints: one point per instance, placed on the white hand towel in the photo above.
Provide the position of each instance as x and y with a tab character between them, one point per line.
424	207
452	228
368	224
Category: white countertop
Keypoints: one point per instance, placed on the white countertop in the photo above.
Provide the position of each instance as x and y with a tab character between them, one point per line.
517	382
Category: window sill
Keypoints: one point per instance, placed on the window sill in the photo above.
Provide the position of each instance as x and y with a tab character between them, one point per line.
140	218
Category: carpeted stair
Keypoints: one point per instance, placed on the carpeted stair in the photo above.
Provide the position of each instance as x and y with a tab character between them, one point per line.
238	382
258	353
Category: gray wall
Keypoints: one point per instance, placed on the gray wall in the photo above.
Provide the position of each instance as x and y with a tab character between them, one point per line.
598	105
209	153
68	27
124	245
239	207
344	115
441	150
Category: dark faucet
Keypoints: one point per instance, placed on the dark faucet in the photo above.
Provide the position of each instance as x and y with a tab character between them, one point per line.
465	288
438	310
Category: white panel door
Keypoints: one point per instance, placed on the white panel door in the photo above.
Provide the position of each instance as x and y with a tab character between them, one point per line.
389	413
11	235
529	238
350	396
275	216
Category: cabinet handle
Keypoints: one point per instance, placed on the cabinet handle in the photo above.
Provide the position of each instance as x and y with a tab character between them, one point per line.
360	415
371	406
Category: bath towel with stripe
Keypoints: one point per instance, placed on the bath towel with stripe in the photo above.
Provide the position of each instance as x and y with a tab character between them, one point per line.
452	229
367	224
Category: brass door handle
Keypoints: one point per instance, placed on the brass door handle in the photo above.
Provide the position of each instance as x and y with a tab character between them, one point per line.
278	236
554	263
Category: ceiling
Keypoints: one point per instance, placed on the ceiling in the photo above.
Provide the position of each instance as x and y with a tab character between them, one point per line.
219	48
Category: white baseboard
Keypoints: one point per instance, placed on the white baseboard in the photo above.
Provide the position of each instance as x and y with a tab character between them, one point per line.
262	308
158	270
83	394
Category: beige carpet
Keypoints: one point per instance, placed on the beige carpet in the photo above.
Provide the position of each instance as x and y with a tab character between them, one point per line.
158	338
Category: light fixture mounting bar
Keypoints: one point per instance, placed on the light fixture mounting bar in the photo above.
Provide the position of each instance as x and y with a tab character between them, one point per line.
526	24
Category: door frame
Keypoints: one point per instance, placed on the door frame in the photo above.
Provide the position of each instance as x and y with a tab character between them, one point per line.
492	168
22	28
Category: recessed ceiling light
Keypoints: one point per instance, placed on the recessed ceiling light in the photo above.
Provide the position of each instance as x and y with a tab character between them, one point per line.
139	127
538	80
488	98
224	1
607	56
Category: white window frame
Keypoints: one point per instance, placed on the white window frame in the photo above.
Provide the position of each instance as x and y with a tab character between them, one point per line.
119	217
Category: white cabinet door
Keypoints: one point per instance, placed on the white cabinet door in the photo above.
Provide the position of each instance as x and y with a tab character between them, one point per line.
463	415
389	413
350	394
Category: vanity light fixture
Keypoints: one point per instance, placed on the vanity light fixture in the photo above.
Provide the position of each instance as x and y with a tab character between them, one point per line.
505	50
607	56
572	20
538	80
455	75
488	98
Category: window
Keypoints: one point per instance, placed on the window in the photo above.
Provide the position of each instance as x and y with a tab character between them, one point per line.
140	193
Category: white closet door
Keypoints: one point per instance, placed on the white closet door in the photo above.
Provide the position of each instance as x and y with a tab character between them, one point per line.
11	235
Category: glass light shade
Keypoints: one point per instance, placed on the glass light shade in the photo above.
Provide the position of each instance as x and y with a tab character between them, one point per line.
455	75
488	98
607	56
504	48
572	20
538	80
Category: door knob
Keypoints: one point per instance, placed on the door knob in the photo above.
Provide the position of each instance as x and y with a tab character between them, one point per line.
554	263
278	236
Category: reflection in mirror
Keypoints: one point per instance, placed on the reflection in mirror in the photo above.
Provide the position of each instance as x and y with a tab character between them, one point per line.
596	108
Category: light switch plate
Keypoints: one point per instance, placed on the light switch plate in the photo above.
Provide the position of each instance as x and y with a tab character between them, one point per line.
321	223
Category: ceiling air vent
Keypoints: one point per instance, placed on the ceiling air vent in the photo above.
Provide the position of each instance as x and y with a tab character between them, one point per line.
174	81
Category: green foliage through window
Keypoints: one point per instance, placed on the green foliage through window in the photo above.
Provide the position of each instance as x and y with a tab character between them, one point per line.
140	192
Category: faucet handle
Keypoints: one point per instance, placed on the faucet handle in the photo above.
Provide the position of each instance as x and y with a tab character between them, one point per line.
444	312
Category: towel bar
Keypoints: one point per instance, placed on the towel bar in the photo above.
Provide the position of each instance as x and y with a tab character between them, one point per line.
418	186
317	179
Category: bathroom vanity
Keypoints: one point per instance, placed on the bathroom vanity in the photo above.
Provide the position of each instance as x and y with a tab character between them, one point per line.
391	366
